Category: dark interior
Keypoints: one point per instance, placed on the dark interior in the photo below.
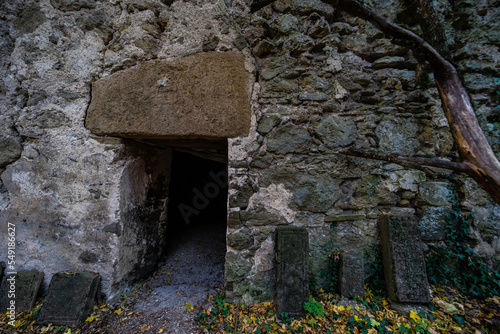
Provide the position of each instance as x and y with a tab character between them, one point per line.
197	194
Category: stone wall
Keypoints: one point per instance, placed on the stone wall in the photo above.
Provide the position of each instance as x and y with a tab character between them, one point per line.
321	80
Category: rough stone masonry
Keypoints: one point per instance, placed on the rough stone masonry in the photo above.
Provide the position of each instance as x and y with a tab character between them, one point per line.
310	80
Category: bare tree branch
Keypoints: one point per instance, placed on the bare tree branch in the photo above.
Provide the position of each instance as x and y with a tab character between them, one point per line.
411	162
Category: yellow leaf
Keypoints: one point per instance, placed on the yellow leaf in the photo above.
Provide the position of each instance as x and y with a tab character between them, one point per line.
187	304
90	319
414	316
160	330
190	309
68	331
179	293
119	311
17	323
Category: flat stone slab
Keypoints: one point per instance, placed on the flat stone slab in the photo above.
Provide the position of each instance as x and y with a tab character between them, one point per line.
23	287
292	274
403	259
351	275
69	299
200	96
345	217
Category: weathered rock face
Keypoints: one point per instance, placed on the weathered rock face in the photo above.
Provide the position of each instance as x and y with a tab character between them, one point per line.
200	96
282	90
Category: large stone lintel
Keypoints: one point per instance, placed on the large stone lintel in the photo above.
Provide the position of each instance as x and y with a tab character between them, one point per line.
200	96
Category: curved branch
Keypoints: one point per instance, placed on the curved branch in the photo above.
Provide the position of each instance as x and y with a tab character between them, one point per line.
411	162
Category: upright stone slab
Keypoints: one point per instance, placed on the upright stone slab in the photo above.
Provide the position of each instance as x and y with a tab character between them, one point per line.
291	270
69	299
351	274
24	285
200	96
403	259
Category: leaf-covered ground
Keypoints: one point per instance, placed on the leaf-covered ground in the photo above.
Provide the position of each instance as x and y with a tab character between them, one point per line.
449	312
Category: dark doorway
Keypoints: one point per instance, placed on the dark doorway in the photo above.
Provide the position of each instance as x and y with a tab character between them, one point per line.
196	233
197	195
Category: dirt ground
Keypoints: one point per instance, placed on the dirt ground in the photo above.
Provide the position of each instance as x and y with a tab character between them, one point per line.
168	301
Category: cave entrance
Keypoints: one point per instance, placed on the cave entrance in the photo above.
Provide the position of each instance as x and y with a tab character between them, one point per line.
197	215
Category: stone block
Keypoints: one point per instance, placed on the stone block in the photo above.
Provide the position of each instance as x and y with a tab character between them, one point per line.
351	275
432	223
345	217
24	285
10	150
291	247
403	259
200	96
69	299
435	194
241	239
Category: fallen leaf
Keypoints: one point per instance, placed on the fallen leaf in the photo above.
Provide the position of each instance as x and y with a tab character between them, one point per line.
447	307
414	316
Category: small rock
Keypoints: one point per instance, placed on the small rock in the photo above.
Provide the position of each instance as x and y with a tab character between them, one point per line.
313	97
290	139
10	150
389	62
319	29
267	123
240	240
31	17
435	194
211	44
